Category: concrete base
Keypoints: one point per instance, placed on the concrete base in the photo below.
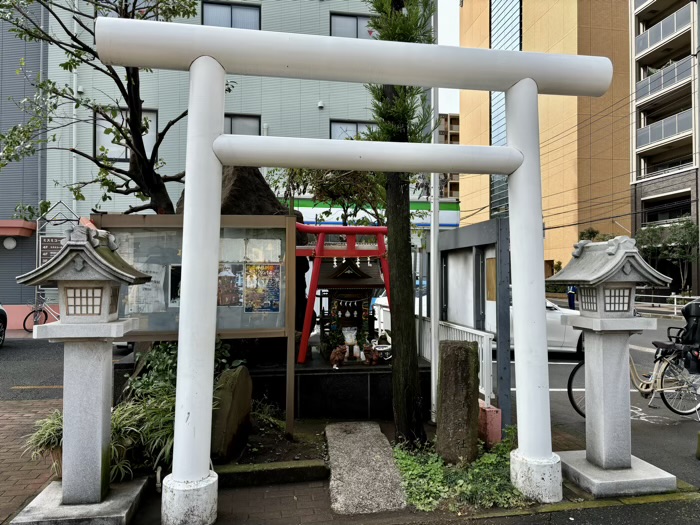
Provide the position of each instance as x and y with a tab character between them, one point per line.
190	502
642	478
118	507
538	479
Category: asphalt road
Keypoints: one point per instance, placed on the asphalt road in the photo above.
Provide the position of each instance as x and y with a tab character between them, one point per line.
31	369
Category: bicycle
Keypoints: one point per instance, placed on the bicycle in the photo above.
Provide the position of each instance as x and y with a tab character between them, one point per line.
39	314
678	388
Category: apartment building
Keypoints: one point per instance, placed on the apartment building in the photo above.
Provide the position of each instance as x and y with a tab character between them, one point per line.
584	141
664	86
22	182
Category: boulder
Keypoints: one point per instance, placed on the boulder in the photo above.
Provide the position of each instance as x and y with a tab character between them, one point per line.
458	402
231	418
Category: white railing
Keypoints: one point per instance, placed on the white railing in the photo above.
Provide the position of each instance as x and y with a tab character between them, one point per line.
665	29
671	302
667	77
449	332
666	128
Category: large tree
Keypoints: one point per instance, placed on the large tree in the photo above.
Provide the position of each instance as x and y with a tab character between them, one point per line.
402	114
69	27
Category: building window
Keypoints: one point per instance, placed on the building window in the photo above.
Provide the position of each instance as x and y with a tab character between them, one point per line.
352	26
119	152
665	210
142	9
231	15
348	130
242	124
84	301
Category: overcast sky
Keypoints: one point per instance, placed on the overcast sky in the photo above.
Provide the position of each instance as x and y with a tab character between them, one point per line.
448	35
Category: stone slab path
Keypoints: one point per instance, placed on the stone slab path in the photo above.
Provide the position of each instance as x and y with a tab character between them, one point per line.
364	477
20	477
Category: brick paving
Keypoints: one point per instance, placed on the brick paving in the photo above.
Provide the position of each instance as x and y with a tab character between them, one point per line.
20	477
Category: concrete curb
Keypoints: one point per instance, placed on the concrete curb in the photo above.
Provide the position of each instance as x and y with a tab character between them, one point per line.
234	475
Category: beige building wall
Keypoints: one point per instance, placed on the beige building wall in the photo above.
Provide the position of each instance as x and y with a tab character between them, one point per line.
584	141
474	115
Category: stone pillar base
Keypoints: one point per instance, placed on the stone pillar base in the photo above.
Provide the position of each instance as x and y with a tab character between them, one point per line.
641	478
538	479
190	502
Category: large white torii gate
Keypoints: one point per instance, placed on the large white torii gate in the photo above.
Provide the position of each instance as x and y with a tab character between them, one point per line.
190	492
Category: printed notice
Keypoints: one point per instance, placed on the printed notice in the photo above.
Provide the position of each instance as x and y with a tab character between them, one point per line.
262	288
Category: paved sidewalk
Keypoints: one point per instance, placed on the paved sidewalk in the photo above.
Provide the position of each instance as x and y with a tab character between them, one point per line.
20	477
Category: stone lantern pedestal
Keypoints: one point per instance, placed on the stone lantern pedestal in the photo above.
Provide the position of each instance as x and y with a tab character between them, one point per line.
606	274
88	273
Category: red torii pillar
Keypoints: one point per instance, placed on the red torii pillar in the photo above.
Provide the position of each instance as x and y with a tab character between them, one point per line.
350	252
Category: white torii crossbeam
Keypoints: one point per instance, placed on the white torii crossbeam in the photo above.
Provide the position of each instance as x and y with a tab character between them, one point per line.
190	492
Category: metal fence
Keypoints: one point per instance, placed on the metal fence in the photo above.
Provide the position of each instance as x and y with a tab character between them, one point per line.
671	302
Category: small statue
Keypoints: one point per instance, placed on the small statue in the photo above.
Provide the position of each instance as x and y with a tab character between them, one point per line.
338	356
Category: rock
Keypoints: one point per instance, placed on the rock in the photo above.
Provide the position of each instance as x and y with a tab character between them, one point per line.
231	420
458	402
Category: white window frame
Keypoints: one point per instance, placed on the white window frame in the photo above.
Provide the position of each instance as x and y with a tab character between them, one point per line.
230	117
357	123
233	6
358	32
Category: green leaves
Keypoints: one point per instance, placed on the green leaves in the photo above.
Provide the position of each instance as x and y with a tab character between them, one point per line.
430	484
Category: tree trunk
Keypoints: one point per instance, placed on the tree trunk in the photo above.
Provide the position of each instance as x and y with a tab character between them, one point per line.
407	400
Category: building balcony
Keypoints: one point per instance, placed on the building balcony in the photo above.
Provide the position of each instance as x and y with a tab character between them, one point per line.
665	81
663	169
676	126
662	33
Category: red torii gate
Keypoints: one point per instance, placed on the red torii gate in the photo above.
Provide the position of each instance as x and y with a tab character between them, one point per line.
350	251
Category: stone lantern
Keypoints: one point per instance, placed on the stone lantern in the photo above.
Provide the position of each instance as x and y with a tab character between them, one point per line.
88	272
606	274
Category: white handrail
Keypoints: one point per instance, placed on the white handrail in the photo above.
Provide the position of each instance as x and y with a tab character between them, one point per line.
449	332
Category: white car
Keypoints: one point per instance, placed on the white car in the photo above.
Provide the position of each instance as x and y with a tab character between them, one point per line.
560	338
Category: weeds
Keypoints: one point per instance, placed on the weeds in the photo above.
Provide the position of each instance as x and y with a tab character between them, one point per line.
485	483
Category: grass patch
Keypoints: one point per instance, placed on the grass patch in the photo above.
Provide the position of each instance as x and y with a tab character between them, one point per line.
431	484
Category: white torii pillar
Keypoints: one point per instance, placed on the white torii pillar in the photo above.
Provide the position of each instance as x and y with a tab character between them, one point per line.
210	52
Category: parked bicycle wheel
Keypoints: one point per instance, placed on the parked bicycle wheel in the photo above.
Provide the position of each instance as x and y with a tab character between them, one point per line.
33	318
683	394
576	388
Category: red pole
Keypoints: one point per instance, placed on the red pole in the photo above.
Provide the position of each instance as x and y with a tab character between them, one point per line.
315	274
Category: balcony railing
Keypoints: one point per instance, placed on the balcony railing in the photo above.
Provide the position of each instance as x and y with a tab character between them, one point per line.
665	29
664	129
663	171
639	3
667	77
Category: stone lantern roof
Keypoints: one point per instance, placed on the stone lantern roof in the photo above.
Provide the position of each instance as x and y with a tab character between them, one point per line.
87	253
616	260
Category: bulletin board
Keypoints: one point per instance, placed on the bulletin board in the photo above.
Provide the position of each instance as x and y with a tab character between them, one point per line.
255	295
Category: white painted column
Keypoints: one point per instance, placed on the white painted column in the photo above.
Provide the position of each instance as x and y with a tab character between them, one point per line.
535	470
434	293
435	262
190	492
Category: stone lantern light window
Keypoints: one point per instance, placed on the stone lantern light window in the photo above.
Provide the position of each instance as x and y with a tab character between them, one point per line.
588	299
617	299
84	301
